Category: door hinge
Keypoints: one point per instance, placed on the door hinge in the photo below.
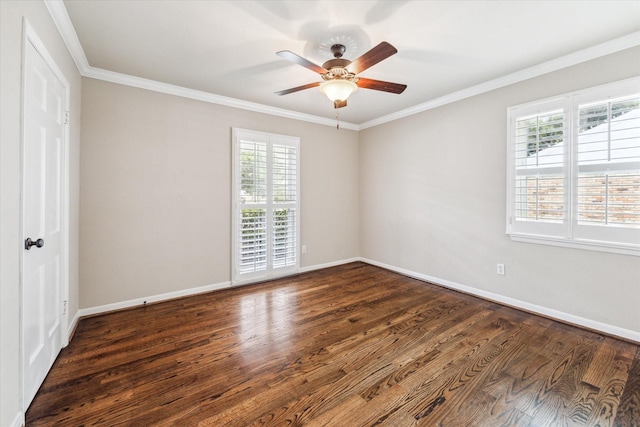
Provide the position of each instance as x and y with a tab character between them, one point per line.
64	307
67	117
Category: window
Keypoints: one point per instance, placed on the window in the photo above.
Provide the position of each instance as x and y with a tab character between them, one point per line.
266	205
574	169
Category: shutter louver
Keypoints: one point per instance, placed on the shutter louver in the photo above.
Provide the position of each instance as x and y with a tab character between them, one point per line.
253	172
253	240
284	237
284	174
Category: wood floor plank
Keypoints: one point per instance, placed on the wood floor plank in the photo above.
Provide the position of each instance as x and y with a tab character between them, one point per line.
628	411
610	378
557	394
473	372
351	345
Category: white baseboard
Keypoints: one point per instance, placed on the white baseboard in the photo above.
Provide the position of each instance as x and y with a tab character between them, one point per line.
523	305
153	298
18	421
73	324
329	264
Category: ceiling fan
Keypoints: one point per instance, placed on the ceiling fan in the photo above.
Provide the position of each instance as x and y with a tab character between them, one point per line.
339	74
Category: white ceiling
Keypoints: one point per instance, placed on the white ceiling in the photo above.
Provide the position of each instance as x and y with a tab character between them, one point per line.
228	48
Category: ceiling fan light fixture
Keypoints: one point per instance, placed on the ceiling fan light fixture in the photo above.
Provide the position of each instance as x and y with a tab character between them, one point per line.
338	89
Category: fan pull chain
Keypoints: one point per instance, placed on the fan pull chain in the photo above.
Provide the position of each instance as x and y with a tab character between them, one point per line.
337	121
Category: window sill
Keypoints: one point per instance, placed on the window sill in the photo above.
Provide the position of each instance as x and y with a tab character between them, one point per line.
590	245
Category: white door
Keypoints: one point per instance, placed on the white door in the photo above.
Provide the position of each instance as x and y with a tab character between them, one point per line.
44	103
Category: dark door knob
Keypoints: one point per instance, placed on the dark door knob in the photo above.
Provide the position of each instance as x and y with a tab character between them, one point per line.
28	243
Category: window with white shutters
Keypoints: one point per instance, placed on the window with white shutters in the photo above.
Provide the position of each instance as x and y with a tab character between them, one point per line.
266	205
574	169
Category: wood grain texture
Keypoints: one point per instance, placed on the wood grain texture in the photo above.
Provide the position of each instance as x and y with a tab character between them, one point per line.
378	53
298	88
628	413
353	345
381	85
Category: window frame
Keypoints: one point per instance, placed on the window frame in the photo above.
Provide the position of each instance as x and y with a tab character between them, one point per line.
270	205
568	233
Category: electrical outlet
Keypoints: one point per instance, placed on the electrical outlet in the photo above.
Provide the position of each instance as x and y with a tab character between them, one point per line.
304	249
500	269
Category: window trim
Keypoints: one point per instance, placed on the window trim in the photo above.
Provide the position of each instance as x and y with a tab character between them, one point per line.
566	237
269	272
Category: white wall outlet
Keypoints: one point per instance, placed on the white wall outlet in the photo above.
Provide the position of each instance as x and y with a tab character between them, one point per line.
500	269
304	249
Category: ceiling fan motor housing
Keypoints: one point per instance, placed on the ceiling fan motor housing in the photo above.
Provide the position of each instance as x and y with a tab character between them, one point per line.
336	63
338	50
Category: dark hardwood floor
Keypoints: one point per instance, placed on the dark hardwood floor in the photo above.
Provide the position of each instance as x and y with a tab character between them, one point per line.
353	345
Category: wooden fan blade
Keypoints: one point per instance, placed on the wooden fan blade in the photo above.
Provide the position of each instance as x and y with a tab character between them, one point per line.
380	85
296	89
297	59
375	55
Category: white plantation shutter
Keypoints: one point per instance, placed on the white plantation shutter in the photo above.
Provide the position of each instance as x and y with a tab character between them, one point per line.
574	170
540	165
266	205
285	195
608	169
539	191
252	234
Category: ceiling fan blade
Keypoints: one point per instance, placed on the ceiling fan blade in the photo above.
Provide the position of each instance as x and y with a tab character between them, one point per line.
372	57
380	85
297	59
296	89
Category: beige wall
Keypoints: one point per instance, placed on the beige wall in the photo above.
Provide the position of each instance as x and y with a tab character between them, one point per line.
432	201
11	18
156	191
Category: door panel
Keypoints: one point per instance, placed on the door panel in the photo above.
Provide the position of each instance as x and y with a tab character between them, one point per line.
43	139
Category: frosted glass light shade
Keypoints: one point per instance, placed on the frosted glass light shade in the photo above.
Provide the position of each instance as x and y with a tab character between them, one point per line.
338	90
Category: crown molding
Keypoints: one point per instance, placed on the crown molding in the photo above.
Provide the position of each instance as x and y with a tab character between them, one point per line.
58	12
575	58
62	21
128	80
